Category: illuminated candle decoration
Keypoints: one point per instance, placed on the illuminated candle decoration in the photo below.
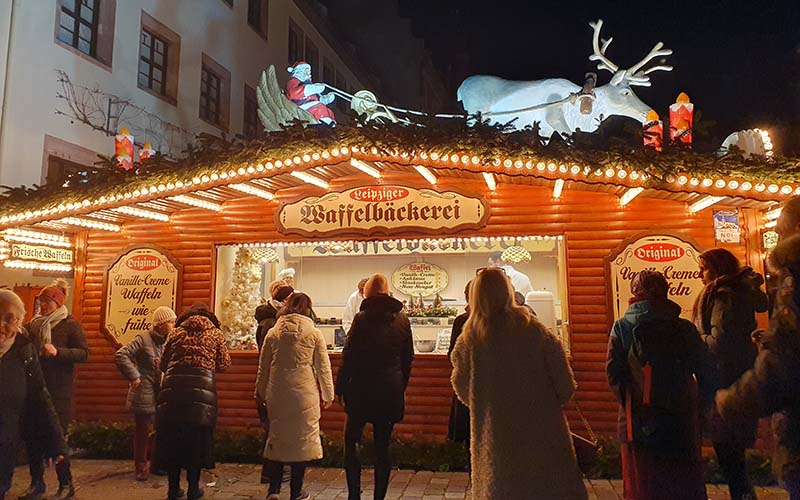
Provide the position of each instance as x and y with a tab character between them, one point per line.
123	149
681	118
147	151
653	131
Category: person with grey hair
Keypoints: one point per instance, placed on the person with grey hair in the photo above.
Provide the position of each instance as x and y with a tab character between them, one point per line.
653	358
26	410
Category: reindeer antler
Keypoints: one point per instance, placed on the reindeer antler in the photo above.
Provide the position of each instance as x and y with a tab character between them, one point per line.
636	77
600	52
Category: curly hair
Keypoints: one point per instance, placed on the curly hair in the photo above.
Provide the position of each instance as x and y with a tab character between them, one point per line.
720	262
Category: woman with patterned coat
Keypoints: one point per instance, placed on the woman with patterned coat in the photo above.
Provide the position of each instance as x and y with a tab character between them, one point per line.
186	415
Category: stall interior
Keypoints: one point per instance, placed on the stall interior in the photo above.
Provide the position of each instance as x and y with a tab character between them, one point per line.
428	275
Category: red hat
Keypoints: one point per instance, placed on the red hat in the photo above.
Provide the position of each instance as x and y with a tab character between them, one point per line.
298	65
54	293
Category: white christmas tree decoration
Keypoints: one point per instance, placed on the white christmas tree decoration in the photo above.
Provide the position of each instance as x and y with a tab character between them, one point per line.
240	303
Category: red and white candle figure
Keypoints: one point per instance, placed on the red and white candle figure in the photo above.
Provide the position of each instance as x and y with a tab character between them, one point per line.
123	149
653	131
681	119
147	151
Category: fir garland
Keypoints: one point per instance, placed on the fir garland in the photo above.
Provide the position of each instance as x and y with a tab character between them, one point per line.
443	136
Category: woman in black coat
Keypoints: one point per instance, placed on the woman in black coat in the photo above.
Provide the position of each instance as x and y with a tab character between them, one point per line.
376	366
26	410
458	430
725	314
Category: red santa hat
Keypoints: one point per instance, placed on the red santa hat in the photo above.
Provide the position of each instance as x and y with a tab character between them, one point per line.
298	66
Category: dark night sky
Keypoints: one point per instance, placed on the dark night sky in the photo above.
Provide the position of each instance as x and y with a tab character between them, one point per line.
739	61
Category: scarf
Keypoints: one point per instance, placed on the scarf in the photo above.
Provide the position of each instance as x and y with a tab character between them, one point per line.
41	328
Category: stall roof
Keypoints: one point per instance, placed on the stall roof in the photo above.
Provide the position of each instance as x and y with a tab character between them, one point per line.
219	172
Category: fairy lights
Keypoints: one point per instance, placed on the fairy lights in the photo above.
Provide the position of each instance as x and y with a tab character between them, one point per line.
490	182
432	241
36	237
310	179
88	223
252	190
196	202
629	195
704	202
365	168
145	214
42	266
427	174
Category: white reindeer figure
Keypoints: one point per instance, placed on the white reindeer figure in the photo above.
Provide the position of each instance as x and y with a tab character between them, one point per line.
556	103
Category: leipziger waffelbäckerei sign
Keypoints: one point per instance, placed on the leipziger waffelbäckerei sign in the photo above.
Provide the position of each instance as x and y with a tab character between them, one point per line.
382	209
136	283
676	258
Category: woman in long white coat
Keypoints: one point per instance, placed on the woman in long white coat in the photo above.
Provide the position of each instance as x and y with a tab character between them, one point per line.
294	359
513	375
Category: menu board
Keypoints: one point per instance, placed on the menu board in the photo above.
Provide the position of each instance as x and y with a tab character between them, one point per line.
137	282
419	279
676	258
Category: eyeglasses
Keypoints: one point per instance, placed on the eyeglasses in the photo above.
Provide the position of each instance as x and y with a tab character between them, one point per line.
482	269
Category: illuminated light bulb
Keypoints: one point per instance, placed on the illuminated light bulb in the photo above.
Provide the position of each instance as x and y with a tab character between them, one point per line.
733	184
344	150
704	202
490	181
746	186
719	184
214	176
496	162
575	170
671	179
423	155
682	180
153	189
464	159
315	156
773	188
253	190
475	160
145	214
326	155
629	195
179	184
529	165
563	169
310	179
135	193
170	186
250	169
558	188
786	190
296	160
760	187
427	174
797	190
634	175
197	202
540	166
434	156
610	172
232	173
518	164
91	224
508	163
360	165
224	175
707	182
306	158
622	174
551	167
205	178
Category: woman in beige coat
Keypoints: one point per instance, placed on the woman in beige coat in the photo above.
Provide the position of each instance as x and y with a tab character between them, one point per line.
293	360
513	375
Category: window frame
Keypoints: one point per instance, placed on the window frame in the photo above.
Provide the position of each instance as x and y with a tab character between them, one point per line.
263	17
102	50
77	22
298	38
223	78
151	62
251	99
172	61
313	61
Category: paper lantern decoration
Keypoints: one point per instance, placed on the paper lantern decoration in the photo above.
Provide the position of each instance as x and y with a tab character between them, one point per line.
653	131
123	149
147	151
681	119
516	254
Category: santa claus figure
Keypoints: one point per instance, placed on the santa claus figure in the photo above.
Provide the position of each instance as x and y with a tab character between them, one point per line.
308	95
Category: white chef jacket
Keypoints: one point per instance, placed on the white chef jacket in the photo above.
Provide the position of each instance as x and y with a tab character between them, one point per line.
519	281
350	310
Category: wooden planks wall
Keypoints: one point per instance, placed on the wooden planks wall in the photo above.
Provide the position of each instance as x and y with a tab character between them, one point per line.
593	225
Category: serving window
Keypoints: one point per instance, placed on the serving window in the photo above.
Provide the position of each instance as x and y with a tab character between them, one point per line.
427	275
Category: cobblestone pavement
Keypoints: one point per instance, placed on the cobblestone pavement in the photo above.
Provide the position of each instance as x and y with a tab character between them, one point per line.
113	480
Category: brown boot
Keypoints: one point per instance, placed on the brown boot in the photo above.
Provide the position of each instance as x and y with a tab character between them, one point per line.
142	471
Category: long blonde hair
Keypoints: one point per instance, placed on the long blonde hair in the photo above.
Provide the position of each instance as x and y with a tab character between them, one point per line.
491	305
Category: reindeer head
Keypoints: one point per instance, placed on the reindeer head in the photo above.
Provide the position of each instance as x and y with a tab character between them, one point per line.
618	95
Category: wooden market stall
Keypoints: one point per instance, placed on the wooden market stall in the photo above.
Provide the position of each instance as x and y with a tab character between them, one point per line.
239	198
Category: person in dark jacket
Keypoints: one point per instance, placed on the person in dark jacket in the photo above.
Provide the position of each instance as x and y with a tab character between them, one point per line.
139	364
458	428
772	385
675	469
725	314
26	411
61	343
186	413
371	383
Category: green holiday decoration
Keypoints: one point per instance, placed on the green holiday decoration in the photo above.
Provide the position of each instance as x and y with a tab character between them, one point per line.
240	303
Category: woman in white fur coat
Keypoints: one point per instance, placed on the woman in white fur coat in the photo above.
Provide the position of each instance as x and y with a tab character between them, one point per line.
294	362
513	375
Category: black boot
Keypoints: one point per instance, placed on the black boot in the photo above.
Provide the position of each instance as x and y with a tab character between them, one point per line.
65	492
35	491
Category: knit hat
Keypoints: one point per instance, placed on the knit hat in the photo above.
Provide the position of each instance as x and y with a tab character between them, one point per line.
289	271
56	293
163	315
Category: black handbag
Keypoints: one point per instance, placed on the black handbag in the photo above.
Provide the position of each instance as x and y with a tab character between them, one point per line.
586	450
